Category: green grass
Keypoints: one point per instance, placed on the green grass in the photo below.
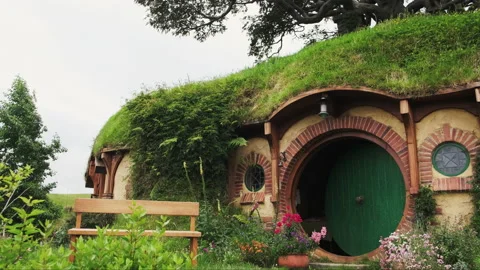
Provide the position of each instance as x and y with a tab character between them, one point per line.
66	200
409	57
115	131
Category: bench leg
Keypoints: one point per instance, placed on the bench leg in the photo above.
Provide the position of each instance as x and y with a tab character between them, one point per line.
73	240
193	250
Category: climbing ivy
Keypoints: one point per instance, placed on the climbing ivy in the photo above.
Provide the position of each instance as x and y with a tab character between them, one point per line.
476	194
425	206
171	127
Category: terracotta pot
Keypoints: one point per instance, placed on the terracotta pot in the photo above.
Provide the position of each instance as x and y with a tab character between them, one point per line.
294	261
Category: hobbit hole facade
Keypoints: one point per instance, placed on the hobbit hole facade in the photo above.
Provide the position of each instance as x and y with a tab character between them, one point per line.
361	165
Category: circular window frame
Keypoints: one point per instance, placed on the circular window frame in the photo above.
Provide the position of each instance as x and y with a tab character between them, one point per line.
442	145
248	173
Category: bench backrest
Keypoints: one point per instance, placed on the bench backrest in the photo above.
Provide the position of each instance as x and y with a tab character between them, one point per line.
191	209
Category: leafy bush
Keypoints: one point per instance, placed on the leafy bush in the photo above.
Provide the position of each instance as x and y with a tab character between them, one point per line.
476	193
89	220
132	251
227	234
460	246
425	207
27	246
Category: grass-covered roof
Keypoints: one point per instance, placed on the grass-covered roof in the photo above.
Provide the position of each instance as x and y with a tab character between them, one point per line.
406	57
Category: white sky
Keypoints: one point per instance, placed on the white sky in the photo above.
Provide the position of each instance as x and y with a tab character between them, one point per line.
84	58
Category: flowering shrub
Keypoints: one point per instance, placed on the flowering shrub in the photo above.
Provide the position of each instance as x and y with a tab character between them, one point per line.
290	239
257	253
410	251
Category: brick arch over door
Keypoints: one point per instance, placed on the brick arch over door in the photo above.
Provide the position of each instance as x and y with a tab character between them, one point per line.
426	149
333	128
248	160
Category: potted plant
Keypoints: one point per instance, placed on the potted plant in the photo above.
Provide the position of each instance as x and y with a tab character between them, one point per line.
291	244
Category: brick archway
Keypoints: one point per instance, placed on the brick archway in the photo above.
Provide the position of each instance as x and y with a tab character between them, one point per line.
300	148
426	149
248	160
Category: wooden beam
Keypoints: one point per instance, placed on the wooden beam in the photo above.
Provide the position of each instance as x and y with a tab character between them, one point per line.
411	133
272	134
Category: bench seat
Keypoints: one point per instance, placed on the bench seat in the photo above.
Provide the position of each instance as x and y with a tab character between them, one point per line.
186	209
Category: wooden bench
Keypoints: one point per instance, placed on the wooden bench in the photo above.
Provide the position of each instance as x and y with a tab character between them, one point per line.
190	209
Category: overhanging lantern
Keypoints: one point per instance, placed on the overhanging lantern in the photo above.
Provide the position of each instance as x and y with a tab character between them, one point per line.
100	166
323	106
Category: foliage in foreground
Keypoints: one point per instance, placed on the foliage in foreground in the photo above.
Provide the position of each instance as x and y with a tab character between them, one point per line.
411	250
133	251
460	246
446	246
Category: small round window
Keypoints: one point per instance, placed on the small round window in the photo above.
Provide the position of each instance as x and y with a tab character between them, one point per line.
254	178
451	159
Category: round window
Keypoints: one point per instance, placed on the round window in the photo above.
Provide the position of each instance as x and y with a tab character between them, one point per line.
451	159
254	178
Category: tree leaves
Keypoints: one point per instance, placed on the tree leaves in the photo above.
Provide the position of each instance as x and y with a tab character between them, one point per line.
273	20
21	143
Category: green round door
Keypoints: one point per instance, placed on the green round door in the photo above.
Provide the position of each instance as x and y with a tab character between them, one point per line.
365	198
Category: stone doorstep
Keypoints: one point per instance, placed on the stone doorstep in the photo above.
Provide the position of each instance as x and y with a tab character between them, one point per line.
317	265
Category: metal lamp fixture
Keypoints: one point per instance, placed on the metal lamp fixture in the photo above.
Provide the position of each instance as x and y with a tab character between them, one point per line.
323	106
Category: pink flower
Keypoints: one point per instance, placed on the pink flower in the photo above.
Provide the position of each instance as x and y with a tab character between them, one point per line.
323	231
316	237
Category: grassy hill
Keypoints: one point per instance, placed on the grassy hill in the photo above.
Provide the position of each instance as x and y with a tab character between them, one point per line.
66	200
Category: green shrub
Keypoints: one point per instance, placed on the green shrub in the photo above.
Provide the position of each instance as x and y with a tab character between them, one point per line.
476	194
225	230
425	207
133	251
89	220
458	245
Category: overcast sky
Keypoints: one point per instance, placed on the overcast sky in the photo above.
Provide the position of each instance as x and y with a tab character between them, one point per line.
84	58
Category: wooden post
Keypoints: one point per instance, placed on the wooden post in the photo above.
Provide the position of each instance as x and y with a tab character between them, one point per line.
112	160
272	134
410	131
192	223
101	185
73	238
73	241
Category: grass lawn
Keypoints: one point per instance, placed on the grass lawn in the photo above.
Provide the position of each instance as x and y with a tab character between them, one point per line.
66	200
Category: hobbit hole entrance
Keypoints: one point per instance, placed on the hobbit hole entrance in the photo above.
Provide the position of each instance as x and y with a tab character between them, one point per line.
355	188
